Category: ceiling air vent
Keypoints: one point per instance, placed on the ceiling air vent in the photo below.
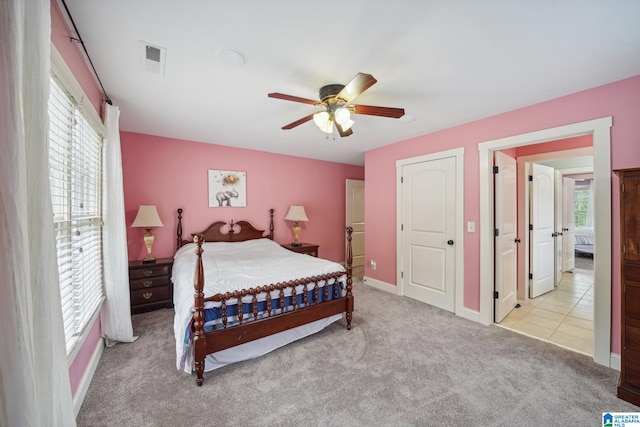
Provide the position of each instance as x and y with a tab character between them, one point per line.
153	54
153	58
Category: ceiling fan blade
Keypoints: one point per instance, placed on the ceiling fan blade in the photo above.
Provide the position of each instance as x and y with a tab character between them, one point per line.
371	110
343	133
298	122
292	98
356	86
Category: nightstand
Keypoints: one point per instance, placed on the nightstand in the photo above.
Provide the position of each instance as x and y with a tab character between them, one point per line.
306	248
150	285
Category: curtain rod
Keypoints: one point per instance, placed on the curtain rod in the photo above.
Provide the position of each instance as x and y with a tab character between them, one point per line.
81	42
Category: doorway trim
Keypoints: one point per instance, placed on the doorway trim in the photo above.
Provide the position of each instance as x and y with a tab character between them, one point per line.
458	153
600	129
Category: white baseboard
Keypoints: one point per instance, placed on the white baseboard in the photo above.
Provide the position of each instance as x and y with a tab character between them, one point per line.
378	284
88	376
615	362
472	315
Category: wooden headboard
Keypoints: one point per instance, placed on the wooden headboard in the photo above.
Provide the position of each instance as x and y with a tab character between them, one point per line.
213	233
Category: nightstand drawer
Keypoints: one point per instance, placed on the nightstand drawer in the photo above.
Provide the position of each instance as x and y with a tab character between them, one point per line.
149	271
149	282
145	296
150	285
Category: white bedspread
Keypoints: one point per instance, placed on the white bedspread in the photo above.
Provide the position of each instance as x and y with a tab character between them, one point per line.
234	266
584	236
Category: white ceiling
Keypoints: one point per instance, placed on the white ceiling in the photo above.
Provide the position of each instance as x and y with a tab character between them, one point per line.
446	62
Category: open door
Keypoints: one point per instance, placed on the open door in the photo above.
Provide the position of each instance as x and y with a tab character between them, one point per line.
505	235
355	219
568	224
559	218
541	268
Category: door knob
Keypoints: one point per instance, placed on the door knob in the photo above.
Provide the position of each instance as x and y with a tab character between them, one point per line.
450	242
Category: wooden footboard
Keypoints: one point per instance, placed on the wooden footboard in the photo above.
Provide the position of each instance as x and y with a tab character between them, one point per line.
274	321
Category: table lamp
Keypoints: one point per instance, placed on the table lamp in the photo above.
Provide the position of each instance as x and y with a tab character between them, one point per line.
296	214
147	218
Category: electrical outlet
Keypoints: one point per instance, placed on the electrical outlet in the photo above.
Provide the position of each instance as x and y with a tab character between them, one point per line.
373	265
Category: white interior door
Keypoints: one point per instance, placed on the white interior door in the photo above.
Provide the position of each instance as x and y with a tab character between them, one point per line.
542	228
355	219
558	241
568	224
428	231
506	218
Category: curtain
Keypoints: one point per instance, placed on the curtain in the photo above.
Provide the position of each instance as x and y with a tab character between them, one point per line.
34	374
116	311
590	205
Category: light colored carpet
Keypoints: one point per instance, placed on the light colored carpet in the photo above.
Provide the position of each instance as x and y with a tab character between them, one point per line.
404	363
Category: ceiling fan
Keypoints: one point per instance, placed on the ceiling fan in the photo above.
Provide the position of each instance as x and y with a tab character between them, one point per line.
335	101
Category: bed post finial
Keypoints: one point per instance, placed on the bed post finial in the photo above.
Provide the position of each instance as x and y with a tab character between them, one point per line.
179	228
349	309
199	342
271	224
231	231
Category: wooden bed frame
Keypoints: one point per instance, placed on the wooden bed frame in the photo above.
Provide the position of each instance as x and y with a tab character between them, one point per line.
230	336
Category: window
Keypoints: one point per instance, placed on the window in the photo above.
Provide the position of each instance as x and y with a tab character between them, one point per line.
75	174
581	199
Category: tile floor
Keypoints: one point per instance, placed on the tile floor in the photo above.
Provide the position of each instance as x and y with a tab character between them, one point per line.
563	316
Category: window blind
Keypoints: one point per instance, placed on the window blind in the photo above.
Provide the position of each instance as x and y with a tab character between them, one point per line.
75	174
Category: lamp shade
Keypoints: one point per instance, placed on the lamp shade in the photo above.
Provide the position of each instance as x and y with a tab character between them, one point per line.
296	213
147	217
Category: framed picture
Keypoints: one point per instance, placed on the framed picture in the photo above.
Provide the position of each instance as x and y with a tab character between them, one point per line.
227	189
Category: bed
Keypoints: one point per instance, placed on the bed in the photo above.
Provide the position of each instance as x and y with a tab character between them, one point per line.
583	238
239	295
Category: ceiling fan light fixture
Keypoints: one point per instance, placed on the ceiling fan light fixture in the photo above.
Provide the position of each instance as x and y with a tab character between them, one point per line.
336	104
323	121
347	125
329	127
320	119
342	116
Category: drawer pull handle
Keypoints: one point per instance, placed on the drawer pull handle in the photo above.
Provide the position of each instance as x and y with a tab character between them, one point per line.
147	295
148	272
147	283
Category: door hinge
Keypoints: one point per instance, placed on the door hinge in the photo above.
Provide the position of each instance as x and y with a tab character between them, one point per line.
401	227
624	249
496	169
401	179
530	276
530	177
495	294
496	232
530	226
402	274
623	187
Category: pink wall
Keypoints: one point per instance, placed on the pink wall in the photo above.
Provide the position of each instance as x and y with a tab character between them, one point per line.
82	359
621	100
60	37
171	174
